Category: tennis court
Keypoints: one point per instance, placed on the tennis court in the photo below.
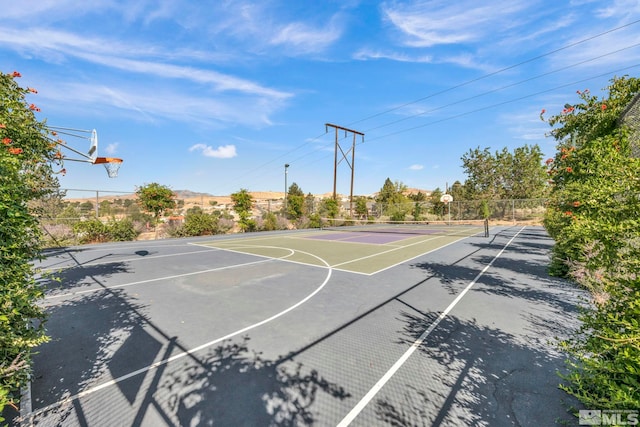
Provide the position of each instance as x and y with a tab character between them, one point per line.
323	327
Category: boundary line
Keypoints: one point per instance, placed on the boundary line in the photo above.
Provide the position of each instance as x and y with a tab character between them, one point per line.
185	353
236	249
125	285
138	258
416	344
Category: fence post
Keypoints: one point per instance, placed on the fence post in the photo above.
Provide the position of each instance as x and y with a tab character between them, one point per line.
513	210
97	204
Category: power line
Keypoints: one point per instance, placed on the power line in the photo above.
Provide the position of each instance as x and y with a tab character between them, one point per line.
488	107
503	103
468	82
504	87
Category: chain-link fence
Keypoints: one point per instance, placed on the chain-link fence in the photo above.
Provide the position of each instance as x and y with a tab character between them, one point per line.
60	215
518	210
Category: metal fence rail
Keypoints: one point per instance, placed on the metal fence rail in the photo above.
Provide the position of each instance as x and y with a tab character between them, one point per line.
59	215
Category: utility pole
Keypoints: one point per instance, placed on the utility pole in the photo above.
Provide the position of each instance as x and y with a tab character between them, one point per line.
286	167
345	158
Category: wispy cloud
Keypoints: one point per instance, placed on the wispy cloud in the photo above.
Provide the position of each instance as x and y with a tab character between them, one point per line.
366	53
112	148
302	38
416	167
49	43
619	8
150	104
222	152
431	23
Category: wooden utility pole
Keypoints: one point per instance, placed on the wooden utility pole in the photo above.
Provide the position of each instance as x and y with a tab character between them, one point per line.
345	158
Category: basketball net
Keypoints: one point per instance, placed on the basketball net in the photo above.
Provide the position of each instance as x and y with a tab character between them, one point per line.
111	164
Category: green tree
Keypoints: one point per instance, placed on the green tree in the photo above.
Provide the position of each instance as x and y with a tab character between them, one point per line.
295	202
329	208
87	208
309	204
242	204
457	191
437	207
418	197
392	200
27	157
105	208
362	210
504	175
482	181
156	199
295	190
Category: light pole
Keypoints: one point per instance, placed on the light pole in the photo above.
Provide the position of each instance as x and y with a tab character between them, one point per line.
286	166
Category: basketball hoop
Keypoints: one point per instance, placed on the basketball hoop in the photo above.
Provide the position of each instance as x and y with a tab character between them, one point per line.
111	164
446	198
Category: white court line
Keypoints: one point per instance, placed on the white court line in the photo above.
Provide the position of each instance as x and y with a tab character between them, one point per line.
189	352
336	266
403	247
387	251
138	258
125	285
416	344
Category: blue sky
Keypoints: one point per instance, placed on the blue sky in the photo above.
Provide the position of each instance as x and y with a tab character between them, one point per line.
215	96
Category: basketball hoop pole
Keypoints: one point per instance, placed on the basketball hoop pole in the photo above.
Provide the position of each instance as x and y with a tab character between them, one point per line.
90	135
86	159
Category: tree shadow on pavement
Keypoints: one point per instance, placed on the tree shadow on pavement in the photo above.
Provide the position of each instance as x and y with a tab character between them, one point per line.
79	278
234	386
480	376
85	333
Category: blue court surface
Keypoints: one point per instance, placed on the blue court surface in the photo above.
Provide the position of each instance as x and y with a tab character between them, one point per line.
302	328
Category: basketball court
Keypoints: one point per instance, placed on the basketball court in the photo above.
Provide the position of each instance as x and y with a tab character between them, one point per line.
323	327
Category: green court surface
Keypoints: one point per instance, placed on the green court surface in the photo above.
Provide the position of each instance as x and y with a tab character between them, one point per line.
356	257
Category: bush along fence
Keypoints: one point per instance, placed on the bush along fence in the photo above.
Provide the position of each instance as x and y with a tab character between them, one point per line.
93	216
517	210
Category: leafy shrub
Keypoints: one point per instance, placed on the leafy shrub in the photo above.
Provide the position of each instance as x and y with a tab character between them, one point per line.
592	215
268	222
26	158
605	363
95	231
122	231
91	231
200	224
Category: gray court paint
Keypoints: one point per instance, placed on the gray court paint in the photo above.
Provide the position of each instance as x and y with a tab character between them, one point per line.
416	344
124	285
138	258
194	350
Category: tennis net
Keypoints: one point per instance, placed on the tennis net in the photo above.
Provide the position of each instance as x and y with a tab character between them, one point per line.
462	227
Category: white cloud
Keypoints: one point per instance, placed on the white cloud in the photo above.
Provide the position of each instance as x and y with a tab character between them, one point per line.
365	54
303	39
222	152
111	148
152	103
431	23
416	167
619	8
110	53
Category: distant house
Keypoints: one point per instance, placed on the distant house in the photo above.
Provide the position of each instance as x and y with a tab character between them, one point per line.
631	117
